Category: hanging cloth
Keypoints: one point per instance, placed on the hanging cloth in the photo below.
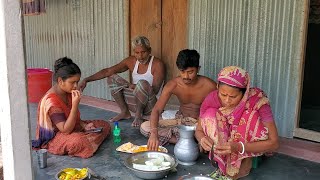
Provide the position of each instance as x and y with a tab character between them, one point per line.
33	7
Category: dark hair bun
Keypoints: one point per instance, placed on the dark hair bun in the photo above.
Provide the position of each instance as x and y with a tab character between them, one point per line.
61	63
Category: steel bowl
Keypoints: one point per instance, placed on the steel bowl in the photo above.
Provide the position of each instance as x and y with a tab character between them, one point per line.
195	177
145	156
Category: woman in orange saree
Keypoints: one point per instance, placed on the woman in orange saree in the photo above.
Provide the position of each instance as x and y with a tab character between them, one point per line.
59	127
236	123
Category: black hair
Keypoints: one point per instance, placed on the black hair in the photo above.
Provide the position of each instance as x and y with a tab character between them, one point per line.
65	68
242	90
187	58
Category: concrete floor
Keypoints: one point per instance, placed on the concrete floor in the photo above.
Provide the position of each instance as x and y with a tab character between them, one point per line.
109	163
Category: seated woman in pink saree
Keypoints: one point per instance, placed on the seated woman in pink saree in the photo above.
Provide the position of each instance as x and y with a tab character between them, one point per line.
59	127
236	123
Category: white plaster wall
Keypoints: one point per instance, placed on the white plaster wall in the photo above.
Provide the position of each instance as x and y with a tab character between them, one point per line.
15	135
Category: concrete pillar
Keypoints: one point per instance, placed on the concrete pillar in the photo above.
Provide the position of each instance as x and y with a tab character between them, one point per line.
1	166
15	135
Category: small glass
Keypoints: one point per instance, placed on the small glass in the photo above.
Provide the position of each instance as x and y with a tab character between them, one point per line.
42	155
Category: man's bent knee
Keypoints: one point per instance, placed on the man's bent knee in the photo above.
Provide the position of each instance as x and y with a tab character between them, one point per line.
143	84
145	128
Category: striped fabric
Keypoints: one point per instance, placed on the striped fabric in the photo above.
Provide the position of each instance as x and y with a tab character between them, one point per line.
143	92
167	128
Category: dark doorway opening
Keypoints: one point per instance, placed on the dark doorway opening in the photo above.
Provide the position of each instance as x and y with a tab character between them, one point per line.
310	105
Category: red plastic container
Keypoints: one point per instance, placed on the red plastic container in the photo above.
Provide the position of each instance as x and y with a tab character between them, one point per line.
39	82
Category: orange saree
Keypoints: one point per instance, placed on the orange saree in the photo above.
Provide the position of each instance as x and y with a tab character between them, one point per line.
78	143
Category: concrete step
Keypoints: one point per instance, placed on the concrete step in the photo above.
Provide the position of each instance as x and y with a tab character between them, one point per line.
302	149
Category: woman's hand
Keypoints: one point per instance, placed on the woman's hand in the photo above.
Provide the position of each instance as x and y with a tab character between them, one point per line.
89	126
228	148
76	96
206	143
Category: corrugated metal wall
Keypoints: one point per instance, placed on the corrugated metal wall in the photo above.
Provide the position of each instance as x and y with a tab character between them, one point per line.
91	32
263	37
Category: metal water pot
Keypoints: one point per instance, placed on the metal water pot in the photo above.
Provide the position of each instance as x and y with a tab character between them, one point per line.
186	150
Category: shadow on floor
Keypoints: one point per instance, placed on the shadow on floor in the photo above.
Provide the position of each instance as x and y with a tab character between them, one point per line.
109	163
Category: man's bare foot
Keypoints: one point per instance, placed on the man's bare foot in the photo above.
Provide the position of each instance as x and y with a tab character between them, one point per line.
137	122
173	140
120	117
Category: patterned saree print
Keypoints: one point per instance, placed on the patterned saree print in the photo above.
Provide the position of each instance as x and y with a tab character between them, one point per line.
241	123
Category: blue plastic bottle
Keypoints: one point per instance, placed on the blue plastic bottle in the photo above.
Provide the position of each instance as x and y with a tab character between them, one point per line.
116	133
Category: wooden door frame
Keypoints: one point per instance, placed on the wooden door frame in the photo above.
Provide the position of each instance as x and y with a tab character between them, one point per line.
300	132
149	27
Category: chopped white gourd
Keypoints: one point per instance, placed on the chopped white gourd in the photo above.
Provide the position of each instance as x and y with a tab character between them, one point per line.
160	158
157	162
163	164
145	167
149	163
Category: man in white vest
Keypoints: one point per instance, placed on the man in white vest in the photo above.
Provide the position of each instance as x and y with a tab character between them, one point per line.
148	73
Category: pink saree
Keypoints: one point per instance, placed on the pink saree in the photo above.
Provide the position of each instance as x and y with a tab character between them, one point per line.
241	123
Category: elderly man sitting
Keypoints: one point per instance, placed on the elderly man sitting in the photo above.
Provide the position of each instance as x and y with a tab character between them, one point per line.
148	74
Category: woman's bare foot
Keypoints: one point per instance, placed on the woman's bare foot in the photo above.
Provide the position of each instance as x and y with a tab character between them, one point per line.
137	122
121	116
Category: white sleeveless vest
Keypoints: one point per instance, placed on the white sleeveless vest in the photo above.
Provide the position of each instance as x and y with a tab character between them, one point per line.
146	76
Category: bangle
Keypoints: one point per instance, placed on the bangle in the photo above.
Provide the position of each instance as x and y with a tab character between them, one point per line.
242	147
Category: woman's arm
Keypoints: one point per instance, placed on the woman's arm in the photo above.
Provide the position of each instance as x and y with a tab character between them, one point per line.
271	144
68	125
205	142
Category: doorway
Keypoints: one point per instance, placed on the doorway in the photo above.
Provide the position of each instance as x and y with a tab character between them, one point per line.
309	123
164	23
